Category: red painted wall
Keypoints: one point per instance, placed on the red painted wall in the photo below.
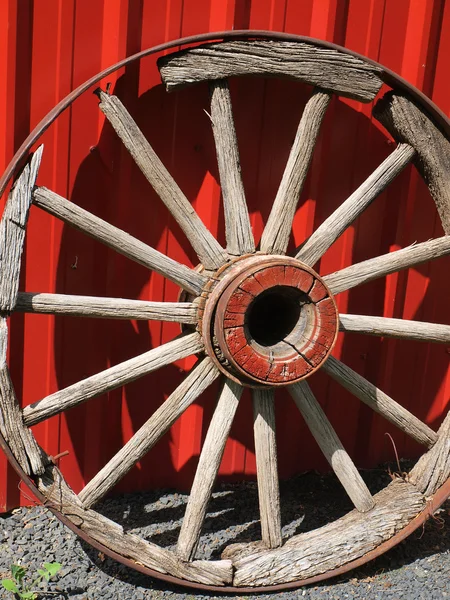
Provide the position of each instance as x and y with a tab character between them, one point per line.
49	47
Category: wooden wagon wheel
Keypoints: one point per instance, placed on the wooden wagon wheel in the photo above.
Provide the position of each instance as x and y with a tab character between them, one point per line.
224	313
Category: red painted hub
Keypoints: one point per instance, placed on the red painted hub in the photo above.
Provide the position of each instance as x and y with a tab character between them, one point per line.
270	321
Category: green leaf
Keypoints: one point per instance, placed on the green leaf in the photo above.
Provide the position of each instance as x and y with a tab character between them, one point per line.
53	568
18	572
44	573
10	585
28	595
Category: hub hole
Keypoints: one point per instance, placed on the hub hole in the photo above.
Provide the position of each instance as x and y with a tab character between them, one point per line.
273	315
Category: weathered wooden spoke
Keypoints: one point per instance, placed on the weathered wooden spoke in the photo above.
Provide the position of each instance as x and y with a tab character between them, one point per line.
380	402
105	308
162	419
275	238
208	249
118	240
238	231
207	469
395	328
112	378
266	465
331	446
373	268
329	231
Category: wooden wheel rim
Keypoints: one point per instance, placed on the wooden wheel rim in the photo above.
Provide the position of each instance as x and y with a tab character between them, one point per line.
335	284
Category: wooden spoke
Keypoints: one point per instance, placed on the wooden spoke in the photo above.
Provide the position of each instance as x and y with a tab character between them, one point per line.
237	222
106	308
365	271
112	378
319	242
406	122
118	240
380	402
208	467
331	446
200	378
328	68
266	466
12	231
395	328
208	249
275	237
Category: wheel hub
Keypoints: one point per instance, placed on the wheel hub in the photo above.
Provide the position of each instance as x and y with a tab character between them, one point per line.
269	321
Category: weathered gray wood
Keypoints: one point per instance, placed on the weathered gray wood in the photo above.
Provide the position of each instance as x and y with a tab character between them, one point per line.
153	429
238	231
275	237
408	123
380	402
106	308
332	546
395	328
267	466
373	268
331	446
112	378
207	469
335	225
118	240
12	231
433	468
18	437
207	248
330	69
111	535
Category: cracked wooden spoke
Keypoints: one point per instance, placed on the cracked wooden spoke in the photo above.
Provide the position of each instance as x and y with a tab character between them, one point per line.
319	242
380	402
112	378
106	308
207	469
200	378
207	248
238	231
395	328
365	271
118	240
275	237
331	446
267	466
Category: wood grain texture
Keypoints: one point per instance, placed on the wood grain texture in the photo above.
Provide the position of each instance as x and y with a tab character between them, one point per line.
373	268
207	248
12	231
327	68
264	429
408	123
380	402
106	308
110	534
331	446
331	546
395	328
433	468
335	225
19	438
112	378
153	429
238	231
207	469
118	240
276	234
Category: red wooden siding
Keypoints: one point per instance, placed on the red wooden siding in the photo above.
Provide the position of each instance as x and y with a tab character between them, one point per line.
49	47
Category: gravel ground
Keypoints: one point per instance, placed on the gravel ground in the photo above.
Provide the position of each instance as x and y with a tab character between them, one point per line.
418	568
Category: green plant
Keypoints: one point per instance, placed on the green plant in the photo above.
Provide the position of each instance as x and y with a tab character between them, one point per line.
26	591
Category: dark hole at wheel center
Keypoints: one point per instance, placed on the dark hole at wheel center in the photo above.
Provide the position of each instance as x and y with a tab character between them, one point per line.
273	315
